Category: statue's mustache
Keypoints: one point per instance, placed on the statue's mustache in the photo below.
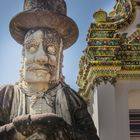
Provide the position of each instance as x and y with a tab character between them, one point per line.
35	66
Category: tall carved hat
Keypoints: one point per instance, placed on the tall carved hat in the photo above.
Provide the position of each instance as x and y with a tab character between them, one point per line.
44	14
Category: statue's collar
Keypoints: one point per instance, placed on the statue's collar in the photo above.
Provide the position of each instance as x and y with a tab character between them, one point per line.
25	90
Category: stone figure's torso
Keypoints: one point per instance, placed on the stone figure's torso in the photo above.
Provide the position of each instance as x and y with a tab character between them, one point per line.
40	103
62	101
27	102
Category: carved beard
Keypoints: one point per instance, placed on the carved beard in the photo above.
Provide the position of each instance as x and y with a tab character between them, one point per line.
34	72
37	76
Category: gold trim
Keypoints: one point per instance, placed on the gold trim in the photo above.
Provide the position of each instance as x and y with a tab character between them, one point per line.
133	45
100	29
131	60
104	38
112	61
131	78
129	72
131	51
98	75
104	46
104	55
104	23
100	68
133	35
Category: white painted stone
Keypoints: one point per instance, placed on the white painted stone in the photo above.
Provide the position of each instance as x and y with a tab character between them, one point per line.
93	108
134	99
106	110
135	138
110	111
122	111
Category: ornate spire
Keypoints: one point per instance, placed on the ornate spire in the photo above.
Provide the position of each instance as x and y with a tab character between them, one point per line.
123	13
110	55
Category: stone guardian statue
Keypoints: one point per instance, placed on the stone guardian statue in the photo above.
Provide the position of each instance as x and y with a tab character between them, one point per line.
41	106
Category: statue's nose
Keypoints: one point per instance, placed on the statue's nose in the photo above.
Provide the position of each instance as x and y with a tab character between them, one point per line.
41	56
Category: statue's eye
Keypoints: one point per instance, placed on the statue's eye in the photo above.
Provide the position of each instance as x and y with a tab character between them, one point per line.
32	49
51	50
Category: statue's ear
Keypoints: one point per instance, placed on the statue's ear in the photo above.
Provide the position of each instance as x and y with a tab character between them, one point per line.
138	25
60	55
23	51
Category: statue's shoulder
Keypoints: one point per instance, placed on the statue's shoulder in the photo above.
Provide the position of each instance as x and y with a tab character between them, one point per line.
6	97
6	92
6	88
73	96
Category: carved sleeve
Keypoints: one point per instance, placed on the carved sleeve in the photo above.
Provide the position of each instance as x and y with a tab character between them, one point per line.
6	94
83	125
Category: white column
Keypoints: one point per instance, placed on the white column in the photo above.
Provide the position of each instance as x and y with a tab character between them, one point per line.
93	108
112	109
123	88
122	111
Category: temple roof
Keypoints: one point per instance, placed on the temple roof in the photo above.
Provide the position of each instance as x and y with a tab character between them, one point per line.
110	54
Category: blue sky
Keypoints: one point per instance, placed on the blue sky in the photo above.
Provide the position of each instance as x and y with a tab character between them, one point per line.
80	11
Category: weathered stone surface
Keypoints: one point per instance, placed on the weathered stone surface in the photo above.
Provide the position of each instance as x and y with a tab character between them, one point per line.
41	106
50	14
58	6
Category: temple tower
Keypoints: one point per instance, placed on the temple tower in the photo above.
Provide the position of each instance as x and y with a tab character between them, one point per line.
109	76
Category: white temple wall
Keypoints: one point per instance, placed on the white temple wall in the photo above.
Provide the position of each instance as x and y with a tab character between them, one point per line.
109	108
135	138
134	99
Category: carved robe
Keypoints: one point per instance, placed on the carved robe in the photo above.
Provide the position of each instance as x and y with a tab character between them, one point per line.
61	100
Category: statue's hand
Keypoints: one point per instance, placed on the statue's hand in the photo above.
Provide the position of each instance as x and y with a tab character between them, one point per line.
40	127
47	124
59	135
37	136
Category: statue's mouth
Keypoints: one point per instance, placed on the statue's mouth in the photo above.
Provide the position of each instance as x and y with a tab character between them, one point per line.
45	68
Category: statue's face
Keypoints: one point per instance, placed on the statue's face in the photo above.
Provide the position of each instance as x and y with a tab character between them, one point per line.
41	56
